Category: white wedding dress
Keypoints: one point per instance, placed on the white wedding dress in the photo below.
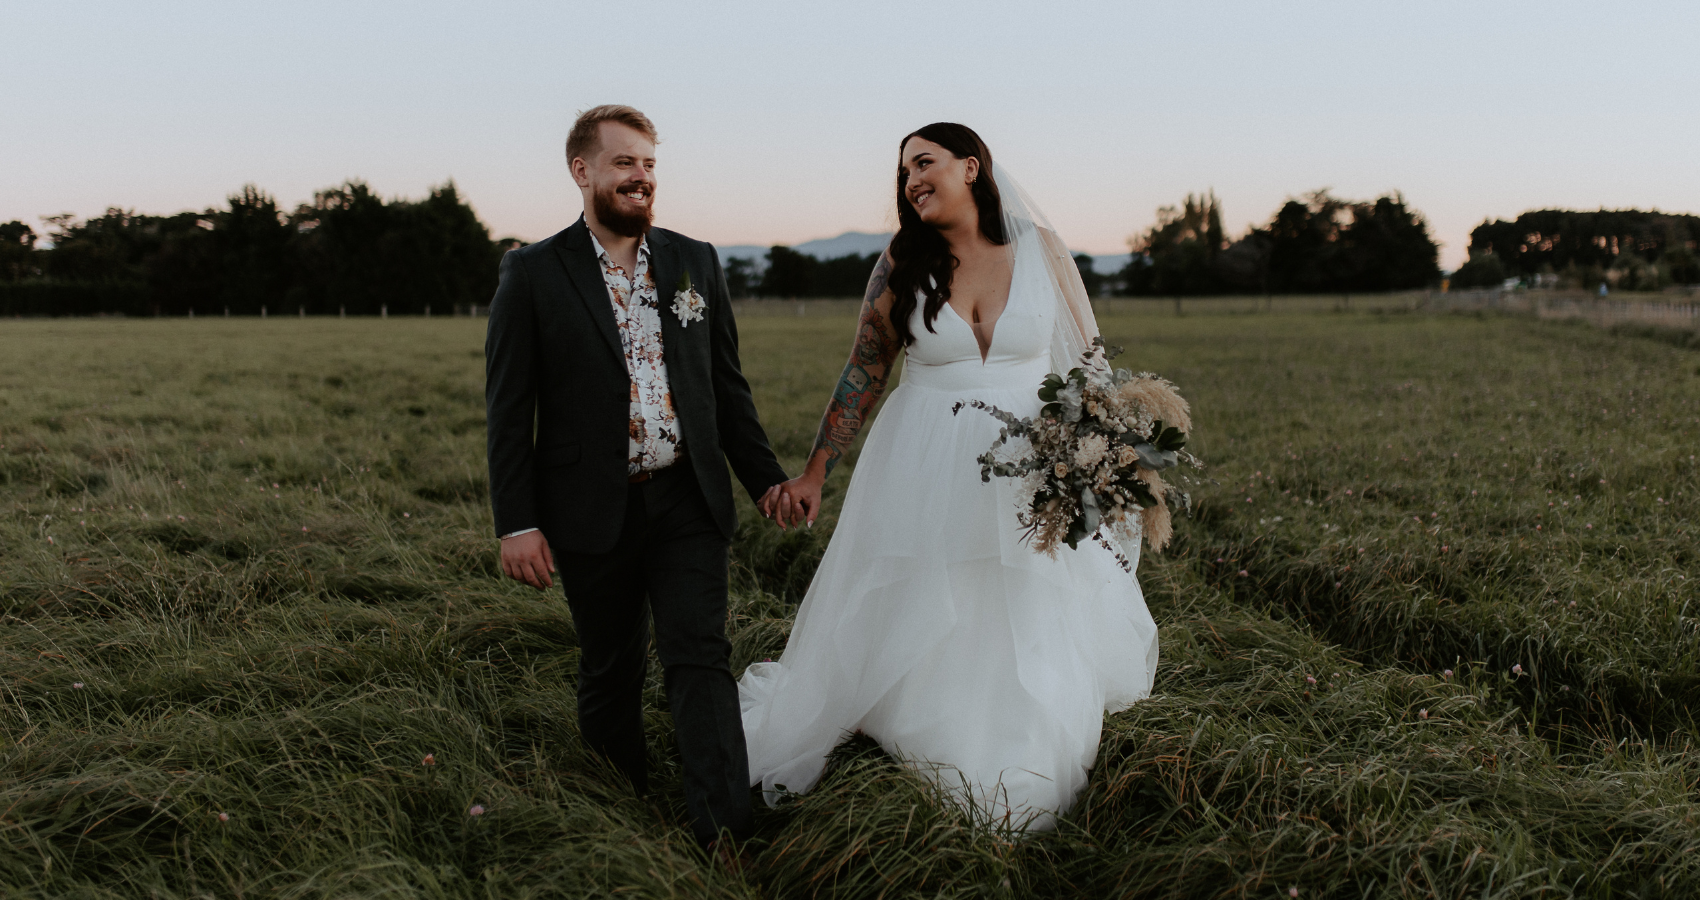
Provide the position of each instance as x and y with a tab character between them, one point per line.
931	625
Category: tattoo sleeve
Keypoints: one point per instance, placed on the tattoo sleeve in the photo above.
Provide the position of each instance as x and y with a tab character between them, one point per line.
864	377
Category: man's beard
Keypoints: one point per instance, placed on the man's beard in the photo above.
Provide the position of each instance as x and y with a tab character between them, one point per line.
621	221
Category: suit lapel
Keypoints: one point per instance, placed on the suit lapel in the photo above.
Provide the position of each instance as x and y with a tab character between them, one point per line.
664	262
585	272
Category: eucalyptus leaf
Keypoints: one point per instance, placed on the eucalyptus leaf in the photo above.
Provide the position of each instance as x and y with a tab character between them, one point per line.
1154	459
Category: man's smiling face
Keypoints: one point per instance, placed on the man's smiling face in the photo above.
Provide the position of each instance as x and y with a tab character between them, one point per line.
619	181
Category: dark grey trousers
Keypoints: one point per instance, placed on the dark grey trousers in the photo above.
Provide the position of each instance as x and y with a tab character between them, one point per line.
668	567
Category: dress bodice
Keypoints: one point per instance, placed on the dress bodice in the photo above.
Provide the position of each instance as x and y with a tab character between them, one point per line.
948	357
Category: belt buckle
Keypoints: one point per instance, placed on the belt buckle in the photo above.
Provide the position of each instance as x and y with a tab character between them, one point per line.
642	477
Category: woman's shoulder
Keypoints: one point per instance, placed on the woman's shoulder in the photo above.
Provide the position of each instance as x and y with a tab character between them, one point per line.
1052	242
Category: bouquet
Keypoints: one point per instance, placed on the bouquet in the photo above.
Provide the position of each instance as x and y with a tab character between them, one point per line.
1096	451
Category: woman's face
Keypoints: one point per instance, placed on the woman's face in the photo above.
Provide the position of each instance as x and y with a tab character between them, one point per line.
938	185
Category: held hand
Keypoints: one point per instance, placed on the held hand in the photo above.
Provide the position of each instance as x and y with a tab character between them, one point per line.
799	500
526	558
769	502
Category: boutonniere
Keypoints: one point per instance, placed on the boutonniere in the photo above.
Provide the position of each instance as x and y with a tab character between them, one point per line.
687	303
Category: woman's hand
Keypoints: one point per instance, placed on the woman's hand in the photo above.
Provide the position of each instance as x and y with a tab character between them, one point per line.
796	501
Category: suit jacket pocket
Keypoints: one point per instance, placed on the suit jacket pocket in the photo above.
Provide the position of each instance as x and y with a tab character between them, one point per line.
558	455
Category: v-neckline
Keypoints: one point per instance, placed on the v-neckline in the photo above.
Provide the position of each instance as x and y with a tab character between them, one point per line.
986	354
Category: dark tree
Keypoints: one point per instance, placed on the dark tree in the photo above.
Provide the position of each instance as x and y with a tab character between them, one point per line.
1304	245
348	249
1683	264
1244	265
360	254
843	276
1326	245
1088	276
1388	248
740	276
1639	250
252	251
789	274
108	248
17	251
1180	251
1483	270
1316	244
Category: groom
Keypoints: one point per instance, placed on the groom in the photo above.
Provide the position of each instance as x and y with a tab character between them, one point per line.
615	402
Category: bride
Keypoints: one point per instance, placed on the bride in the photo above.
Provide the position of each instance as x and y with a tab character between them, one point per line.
930	625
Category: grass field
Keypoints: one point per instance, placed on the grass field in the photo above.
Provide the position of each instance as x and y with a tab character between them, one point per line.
1432	632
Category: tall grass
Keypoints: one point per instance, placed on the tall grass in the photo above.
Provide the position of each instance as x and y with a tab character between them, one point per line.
245	569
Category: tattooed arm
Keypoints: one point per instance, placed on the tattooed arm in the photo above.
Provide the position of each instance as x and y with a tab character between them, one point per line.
859	388
864	378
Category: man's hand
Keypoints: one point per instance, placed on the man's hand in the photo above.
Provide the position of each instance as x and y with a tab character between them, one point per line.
526	557
775	505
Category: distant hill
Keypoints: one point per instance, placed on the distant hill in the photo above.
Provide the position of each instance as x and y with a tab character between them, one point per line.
1109	263
845	244
741	251
849	242
862	242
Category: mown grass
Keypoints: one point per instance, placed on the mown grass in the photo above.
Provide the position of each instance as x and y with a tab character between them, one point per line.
245	568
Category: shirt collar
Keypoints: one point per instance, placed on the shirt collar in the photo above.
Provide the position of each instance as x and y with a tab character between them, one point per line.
643	248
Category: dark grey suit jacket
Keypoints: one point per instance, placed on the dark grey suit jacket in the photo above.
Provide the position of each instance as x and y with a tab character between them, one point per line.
558	396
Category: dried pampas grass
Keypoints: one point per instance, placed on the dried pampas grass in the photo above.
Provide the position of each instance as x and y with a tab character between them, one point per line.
1156	521
1159	397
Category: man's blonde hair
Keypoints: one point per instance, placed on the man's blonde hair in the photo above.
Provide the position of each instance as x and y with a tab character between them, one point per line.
583	140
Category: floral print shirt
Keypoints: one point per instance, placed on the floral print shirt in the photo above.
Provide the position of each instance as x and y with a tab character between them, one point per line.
653	436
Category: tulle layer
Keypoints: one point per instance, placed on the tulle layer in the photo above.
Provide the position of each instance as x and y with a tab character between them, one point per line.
932	627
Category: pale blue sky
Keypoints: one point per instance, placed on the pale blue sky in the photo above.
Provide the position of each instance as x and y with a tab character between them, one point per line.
780	121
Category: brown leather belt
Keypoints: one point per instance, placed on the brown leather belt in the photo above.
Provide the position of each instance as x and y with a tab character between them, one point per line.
642	477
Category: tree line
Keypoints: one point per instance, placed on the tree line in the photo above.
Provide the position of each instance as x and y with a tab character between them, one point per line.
351	251
1316	244
1320	244
348	251
790	274
1628	249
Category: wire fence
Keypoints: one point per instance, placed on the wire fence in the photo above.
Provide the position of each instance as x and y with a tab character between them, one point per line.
1673	309
1670	310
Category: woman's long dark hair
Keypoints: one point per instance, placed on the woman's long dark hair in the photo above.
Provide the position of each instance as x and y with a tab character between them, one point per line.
921	260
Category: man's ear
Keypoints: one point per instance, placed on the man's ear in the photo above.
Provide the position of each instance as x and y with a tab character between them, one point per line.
580	170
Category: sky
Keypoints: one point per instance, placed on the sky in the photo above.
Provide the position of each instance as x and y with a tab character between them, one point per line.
780	122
